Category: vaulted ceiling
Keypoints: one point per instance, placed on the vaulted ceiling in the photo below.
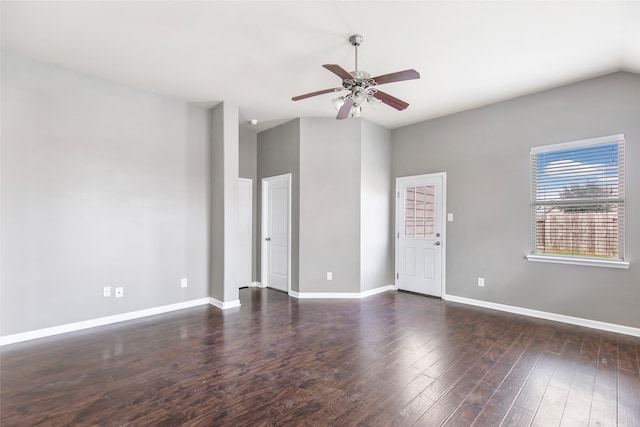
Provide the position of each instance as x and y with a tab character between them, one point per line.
258	55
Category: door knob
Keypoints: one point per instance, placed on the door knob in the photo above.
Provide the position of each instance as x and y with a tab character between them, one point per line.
437	243
268	239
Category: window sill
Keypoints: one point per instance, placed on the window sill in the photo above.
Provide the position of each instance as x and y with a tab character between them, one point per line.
578	261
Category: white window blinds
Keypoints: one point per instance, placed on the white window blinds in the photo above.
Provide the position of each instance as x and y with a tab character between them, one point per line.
577	198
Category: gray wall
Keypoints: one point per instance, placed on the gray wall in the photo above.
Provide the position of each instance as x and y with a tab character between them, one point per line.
340	169
102	185
376	195
249	169
279	153
329	204
224	150
485	153
105	185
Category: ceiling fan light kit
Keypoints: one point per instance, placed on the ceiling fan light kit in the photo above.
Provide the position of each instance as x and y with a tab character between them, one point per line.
362	87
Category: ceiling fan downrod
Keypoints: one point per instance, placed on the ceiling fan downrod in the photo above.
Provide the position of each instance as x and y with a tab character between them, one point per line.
356	40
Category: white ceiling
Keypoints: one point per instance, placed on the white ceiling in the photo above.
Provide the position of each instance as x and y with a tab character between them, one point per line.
257	55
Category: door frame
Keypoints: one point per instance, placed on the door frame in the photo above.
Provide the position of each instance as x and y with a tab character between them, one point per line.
443	240
250	182
263	221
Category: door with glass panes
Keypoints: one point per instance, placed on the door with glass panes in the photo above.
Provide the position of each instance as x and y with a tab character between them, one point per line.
420	233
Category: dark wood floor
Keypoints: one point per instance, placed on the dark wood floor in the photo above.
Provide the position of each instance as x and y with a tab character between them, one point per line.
390	359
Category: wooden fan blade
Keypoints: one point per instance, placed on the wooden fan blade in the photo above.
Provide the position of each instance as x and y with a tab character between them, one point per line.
391	101
397	77
338	71
345	109
320	92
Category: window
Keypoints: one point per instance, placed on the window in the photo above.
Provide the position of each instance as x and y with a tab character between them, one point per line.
577	202
419	213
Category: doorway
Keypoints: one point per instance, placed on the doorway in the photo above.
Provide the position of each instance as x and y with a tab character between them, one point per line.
276	232
420	233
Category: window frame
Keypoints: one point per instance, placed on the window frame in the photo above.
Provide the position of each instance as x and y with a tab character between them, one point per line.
575	259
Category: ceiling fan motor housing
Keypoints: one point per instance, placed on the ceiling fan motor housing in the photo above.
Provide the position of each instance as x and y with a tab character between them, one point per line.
356	39
360	75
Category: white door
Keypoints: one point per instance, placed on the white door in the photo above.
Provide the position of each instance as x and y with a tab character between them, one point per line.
420	233
276	214
244	224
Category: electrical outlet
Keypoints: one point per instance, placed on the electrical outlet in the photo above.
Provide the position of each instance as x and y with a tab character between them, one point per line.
481	281
119	292
106	291
329	275
183	283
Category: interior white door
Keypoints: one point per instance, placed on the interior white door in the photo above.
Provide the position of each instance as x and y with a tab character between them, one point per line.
275	232
245	206
420	233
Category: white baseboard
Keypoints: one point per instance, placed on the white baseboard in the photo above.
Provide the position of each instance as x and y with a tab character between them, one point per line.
256	285
594	324
335	295
223	305
378	290
101	321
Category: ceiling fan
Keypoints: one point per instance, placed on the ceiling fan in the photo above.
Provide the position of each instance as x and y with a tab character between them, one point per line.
362	87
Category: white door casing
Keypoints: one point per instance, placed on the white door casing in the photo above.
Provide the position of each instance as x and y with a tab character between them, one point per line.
276	232
245	214
420	233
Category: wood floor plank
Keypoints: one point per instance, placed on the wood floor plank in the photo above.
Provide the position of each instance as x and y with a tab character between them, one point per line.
331	409
580	397
392	359
558	340
525	365
605	390
498	405
536	385
518	417
565	370
437	414
475	401
628	356
459	392
628	399
457	421
414	409
551	407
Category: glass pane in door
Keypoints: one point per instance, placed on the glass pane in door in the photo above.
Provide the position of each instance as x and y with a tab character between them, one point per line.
419	212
